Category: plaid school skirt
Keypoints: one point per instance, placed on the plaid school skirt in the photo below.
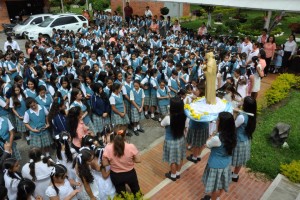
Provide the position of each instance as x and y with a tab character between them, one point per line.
174	151
163	110
98	123
118	120
153	101
15	152
128	108
20	125
241	153
216	179
146	101
40	141
197	137
136	116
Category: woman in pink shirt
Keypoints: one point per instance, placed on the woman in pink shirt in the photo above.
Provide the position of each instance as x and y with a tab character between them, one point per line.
262	59
269	47
121	157
77	127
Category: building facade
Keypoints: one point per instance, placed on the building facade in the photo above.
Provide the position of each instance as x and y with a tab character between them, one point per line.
139	7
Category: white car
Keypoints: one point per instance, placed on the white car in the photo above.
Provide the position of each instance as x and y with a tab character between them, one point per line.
32	20
71	22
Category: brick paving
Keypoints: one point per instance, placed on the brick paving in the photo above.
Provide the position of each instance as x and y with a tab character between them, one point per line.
151	173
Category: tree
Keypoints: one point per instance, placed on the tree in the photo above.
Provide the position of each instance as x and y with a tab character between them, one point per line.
209	10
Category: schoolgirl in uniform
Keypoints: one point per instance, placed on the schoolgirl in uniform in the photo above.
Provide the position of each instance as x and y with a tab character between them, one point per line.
119	113
163	97
35	119
88	86
76	100
245	126
18	106
57	116
60	187
145	84
240	83
108	82
3	75
30	91
84	175
137	97
38	169
217	173
44	99
10	66
153	92
100	108
128	87
198	131
184	78
173	84
12	177
65	87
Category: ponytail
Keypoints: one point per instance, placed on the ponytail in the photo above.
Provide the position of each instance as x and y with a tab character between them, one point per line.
119	141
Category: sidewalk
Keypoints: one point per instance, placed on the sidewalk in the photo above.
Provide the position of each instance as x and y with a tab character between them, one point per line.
155	186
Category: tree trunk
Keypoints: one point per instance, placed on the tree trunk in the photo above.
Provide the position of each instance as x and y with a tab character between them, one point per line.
209	19
267	23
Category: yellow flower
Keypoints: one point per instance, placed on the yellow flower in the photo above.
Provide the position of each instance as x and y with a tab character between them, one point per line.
224	100
206	113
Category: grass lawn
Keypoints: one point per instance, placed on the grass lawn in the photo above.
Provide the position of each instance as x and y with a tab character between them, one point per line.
264	157
229	12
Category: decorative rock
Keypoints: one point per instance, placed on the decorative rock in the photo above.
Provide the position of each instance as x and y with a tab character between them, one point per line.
280	134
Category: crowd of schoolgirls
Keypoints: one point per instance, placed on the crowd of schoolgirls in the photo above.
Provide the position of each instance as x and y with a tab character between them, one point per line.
107	74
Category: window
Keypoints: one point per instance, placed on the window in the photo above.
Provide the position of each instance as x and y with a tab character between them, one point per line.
37	20
71	20
59	22
81	18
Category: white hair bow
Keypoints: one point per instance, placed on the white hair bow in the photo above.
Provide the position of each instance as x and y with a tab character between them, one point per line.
53	171
79	158
65	137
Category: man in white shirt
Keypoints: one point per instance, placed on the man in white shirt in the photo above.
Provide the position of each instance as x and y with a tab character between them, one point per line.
12	43
148	12
254	52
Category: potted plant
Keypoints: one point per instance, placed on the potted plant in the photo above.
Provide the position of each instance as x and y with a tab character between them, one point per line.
164	11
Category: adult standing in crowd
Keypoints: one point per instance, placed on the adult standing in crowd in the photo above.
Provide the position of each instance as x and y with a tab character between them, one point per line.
270	48
148	12
12	43
174	145
262	39
217	173
290	49
202	30
121	157
128	12
246	46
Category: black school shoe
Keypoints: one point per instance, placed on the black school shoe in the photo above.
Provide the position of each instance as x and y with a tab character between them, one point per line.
198	159
190	158
147	116
136	133
206	197
129	134
235	179
168	175
177	176
141	130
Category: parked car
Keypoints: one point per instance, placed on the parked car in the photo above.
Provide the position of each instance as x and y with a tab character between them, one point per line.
72	22
20	28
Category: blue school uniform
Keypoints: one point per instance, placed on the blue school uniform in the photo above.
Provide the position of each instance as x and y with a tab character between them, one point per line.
3	111
46	102
59	124
83	107
182	83
163	93
174	85
107	91
30	93
135	63
63	92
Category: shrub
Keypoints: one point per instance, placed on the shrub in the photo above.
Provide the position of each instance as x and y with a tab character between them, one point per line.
100	4
221	30
291	171
233	25
129	196
164	11
280	88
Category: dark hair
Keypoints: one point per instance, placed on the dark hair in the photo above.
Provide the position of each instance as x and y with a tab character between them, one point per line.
262	54
272	37
87	141
84	171
16	101
35	155
65	79
119	140
72	120
74	93
29	101
115	87
55	109
250	106
201	87
8	164
227	132
26	188
62	139
59	171
177	117
3	192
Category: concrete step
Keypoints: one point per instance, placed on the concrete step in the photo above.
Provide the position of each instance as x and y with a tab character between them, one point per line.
282	189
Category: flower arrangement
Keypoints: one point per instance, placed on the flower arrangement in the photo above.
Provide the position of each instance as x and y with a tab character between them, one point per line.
195	115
